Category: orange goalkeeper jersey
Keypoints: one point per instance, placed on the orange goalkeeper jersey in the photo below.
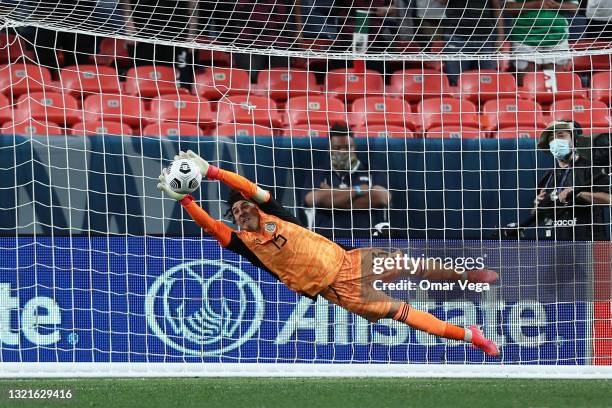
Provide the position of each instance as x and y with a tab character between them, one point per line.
304	261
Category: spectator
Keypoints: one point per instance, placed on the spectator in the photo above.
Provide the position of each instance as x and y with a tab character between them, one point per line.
348	200
388	21
599	147
377	23
399	23
429	16
568	193
109	15
473	27
539	27
162	19
577	21
316	19
217	19
599	20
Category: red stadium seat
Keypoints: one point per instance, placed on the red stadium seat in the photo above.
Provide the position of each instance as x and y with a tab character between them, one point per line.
31	127
113	50
593	116
118	108
546	87
382	131
453	132
601	87
507	112
242	129
213	57
77	79
6	110
181	108
446	112
305	130
48	106
218	81
352	84
591	63
108	127
315	109
416	84
480	86
12	48
248	109
518	132
22	78
151	80
381	110
281	83
172	129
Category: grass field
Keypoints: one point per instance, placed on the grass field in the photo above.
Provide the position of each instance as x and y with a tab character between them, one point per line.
315	393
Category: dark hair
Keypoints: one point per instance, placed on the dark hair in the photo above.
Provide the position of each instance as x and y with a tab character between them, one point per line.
340	129
232	198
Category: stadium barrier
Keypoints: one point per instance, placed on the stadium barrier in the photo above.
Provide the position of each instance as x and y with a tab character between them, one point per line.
118	305
106	184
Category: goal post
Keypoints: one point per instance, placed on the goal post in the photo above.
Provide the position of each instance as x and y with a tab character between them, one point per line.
103	276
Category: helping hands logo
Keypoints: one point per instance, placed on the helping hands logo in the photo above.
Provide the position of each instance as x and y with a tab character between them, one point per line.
204	308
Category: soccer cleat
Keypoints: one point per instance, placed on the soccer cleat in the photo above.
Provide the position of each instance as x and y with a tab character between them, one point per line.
482	276
481	342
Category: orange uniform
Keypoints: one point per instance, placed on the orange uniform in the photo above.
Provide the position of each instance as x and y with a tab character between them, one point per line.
311	264
304	261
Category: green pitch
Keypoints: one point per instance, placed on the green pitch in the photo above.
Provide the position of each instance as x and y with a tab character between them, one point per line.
315	393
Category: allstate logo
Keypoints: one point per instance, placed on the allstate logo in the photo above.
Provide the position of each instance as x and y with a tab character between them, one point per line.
204	308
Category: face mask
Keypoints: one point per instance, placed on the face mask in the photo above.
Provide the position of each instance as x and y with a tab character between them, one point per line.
560	148
343	161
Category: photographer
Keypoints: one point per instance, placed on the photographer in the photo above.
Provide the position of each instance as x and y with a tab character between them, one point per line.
568	195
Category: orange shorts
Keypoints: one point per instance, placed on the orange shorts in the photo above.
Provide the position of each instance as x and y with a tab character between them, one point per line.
353	290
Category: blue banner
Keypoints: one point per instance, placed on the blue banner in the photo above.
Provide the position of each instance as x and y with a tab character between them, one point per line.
154	299
441	188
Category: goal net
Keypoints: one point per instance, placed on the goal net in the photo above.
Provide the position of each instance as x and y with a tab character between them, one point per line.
410	125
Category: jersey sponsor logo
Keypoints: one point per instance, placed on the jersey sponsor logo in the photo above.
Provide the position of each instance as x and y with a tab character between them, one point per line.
270	227
185	309
566	223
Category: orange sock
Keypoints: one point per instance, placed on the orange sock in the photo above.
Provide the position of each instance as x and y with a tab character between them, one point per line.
429	323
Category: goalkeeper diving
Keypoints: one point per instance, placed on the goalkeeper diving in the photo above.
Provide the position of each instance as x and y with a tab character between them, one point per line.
272	239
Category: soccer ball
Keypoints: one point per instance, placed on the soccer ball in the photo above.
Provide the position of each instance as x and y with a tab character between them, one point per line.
183	176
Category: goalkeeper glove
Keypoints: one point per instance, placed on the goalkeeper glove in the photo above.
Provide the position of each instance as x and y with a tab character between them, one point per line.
206	169
165	188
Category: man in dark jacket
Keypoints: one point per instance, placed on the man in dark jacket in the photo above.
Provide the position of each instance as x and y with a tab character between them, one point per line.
565	203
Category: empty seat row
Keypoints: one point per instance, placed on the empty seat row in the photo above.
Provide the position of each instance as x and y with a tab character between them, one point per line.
305	110
63	109
281	84
33	127
148	81
162	129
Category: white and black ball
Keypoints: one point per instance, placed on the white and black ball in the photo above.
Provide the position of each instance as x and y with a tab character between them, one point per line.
183	176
